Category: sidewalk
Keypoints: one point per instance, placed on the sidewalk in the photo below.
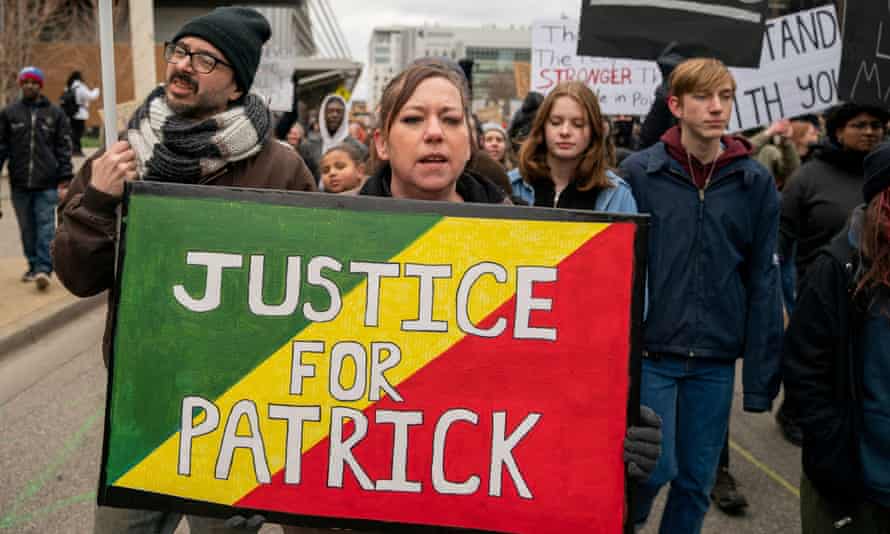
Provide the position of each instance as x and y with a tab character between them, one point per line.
27	314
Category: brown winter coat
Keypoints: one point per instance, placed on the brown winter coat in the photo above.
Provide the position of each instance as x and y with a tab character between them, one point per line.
84	246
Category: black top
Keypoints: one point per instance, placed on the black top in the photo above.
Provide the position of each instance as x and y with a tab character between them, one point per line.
817	203
471	187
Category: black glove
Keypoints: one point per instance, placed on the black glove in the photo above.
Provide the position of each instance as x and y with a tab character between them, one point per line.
642	445
240	522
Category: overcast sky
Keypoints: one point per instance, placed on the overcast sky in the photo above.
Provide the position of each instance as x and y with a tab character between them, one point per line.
358	17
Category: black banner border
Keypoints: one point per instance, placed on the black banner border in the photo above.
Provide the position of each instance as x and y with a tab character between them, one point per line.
118	497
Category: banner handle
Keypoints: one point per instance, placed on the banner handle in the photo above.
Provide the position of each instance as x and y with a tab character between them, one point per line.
109	91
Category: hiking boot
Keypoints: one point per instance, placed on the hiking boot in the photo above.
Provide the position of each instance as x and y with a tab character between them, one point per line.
29	276
726	495
790	429
42	280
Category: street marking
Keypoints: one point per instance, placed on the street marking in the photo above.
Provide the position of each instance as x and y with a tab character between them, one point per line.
765	468
11	518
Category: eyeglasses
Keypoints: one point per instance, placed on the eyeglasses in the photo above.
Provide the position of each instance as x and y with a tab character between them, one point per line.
874	125
202	62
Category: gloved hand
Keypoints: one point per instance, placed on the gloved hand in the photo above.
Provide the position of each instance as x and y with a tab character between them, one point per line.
642	445
240	522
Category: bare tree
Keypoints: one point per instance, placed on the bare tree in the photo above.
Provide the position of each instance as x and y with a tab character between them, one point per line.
25	23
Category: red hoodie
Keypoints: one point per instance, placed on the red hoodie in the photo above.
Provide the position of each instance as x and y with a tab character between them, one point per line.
733	149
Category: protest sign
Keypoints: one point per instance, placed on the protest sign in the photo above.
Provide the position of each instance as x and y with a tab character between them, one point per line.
798	70
730	30
797	74
624	86
274	77
865	66
521	78
369	363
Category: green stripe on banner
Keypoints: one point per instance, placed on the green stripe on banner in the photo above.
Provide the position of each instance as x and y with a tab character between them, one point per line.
160	232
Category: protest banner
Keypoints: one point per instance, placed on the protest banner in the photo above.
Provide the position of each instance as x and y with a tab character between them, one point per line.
865	66
798	70
522	78
370	363
274	77
797	74
730	30
624	86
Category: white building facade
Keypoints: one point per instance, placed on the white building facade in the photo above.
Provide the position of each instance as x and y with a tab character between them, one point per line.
493	50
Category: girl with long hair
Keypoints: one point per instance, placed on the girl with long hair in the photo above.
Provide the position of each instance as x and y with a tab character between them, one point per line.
566	156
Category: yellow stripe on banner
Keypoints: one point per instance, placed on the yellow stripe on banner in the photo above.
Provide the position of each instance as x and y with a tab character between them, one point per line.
459	242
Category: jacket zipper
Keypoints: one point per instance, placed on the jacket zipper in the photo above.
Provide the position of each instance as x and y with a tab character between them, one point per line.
699	231
31	150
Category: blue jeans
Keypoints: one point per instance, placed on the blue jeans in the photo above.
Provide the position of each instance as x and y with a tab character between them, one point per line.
693	397
36	213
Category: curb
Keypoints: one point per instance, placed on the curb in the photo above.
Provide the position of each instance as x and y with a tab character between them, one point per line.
33	332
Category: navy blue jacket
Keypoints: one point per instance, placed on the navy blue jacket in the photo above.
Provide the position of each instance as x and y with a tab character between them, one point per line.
713	279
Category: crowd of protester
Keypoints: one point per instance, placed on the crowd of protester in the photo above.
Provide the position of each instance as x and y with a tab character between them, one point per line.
798	184
771	247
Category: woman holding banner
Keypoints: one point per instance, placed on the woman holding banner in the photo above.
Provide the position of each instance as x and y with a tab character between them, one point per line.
421	152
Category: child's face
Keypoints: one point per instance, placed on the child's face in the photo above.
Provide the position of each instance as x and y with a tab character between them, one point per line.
339	173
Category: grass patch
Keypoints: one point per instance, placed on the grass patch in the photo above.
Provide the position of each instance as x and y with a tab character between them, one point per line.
89	142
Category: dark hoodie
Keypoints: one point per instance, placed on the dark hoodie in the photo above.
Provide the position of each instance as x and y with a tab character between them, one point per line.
817	202
733	149
470	186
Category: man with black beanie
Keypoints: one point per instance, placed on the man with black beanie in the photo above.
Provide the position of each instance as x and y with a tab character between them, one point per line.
201	127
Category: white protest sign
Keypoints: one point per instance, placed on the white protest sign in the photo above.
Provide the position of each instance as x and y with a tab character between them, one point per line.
798	70
624	86
797	74
274	77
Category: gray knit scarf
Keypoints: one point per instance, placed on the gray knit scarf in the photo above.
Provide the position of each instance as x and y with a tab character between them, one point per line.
170	148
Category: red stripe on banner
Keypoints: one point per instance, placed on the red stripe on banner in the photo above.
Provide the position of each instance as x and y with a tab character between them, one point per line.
571	460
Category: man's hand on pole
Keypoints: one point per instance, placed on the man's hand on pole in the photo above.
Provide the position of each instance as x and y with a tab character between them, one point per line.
116	166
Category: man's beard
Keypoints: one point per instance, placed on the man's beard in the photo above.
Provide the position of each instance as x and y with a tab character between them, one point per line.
202	107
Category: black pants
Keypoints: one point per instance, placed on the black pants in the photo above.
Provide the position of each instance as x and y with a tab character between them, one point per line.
77	128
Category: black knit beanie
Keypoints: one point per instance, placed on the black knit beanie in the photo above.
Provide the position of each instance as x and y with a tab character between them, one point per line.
521	124
238	32
877	172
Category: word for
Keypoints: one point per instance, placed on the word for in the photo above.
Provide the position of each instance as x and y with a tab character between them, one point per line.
374	272
340	450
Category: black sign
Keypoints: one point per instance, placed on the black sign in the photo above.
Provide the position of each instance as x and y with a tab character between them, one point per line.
730	30
865	64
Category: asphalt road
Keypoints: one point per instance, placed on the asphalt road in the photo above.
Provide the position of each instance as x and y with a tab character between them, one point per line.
51	415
